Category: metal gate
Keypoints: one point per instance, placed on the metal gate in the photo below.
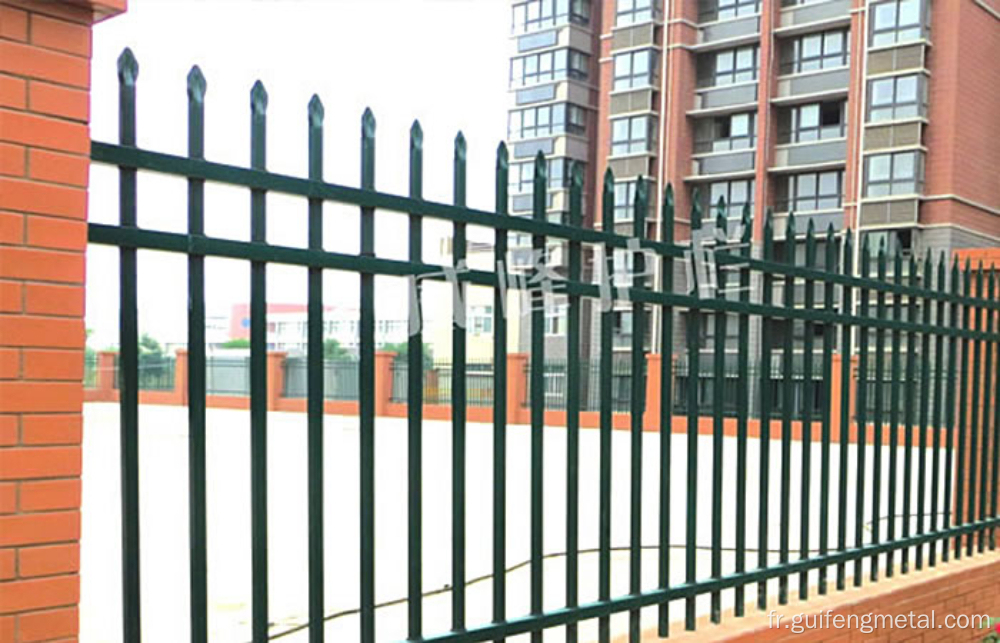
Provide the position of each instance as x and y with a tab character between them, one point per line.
926	337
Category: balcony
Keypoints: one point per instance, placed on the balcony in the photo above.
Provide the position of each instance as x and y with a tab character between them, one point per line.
723	98
832	13
567	35
570	90
884	136
729	162
814	153
890	211
636	100
826	83
728	33
561	145
640	35
821	219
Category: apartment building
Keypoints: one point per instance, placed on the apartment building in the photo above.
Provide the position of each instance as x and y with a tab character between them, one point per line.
876	116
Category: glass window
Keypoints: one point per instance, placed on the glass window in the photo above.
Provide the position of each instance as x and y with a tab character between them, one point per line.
724	133
895	173
736	194
628	12
624	201
534	15
726	9
632	135
813	122
817	51
521	175
546	120
731	66
549	66
555	319
635	69
811	191
896	98
896	21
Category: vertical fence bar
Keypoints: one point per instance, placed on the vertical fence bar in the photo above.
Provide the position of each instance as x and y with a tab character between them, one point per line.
258	369
196	368
537	385
366	386
742	414
315	382
963	401
787	394
666	410
996	409
941	323
948	519
878	411
607	320
925	376
807	404
415	398
894	375
984	296
862	410
694	369
636	411
847	309
767	294
500	395
908	412
573	404
128	72
974	384
719	377
458	403
827	402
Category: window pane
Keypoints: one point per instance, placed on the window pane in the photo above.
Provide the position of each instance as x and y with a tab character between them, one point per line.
885	16
724	61
738	193
811	46
878	167
640	63
909	12
805	185
828	183
833	43
882	92
903	166
619	130
622	65
906	89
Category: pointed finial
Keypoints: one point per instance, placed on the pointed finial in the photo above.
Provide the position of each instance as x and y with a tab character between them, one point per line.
416	136
609	180
576	176
460	149
368	123
790	226
196	84
316	111
720	206
258	98
128	67
541	170
696	208
503	157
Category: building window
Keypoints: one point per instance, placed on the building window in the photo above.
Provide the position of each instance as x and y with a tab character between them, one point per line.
896	21
890	174
896	241
811	191
629	12
813	122
624	201
549	66
816	51
736	194
729	67
480	320
521	176
635	69
547	120
535	15
726	9
555	319
896	98
731	132
632	135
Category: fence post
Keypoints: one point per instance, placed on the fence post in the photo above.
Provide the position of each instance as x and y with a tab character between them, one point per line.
106	376
517	388
181	376
651	418
275	378
383	381
44	168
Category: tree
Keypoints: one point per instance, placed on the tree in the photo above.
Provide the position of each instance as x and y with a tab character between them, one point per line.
402	351
236	343
332	350
149	346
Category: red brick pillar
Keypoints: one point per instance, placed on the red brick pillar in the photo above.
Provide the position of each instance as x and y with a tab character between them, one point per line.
517	388
383	381
275	378
651	418
44	167
106	391
181	377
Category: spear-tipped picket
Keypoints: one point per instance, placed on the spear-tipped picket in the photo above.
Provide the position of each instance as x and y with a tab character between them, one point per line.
807	396
666	410
974	428
608	201
636	427
696	208
605	416
458	396
537	396
830	265
877	424
576	195
573	402
540	185
895	377
788	365
938	287
500	392
924	396
845	406
764	467
992	316
414	399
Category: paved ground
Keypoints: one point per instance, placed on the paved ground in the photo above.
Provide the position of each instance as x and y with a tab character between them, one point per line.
163	480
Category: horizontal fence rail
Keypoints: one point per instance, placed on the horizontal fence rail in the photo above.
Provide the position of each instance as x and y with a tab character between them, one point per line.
894	469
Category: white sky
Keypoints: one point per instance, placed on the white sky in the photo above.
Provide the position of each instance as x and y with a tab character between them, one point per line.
442	61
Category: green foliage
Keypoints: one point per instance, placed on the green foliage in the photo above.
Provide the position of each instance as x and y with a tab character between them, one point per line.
402	351
332	350
236	343
149	346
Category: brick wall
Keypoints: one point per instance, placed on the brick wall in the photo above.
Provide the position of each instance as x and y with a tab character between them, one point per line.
44	145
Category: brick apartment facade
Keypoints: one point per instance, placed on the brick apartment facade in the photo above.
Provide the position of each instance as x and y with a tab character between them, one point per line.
876	116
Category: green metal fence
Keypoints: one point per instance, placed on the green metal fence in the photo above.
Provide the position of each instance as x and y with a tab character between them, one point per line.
866	310
156	373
